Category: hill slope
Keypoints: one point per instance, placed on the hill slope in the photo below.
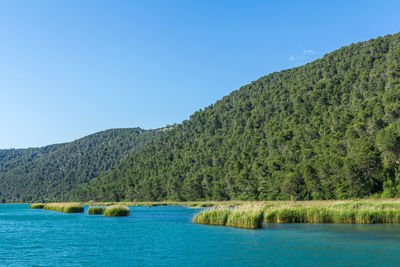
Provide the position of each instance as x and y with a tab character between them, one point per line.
49	173
325	130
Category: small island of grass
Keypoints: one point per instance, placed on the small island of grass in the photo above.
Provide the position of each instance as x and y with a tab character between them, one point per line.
96	210
65	207
116	211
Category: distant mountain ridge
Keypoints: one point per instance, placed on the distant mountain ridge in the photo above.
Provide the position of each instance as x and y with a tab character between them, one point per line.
49	173
325	130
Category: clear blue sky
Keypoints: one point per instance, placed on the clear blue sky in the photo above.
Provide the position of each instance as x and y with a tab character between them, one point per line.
71	68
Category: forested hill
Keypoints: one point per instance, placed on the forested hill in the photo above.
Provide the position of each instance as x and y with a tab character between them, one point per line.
49	173
325	130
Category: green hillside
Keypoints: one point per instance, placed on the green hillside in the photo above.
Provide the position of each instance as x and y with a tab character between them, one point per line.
49	173
326	130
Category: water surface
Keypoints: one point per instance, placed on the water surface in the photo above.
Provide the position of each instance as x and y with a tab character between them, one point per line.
165	236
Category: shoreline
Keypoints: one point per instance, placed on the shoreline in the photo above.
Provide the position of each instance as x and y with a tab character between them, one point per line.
253	214
224	203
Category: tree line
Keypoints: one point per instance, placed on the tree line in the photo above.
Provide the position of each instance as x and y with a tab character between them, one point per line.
327	130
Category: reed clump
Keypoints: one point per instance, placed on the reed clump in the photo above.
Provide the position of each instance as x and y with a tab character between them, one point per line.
65	207
360	215
116	211
212	216
96	210
37	206
246	218
189	204
253	214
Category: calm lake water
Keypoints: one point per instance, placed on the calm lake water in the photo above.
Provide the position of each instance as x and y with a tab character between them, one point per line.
165	236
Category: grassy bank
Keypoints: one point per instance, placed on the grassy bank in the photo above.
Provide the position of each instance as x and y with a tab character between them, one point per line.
116	211
37	206
253	214
64	207
245	218
189	204
212	216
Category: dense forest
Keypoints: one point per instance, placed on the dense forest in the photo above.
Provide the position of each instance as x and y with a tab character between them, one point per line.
49	173
327	130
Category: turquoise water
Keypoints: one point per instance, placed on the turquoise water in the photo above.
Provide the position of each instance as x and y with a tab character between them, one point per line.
165	236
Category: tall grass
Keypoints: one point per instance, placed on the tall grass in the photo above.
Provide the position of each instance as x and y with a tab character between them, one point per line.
96	210
36	206
64	207
253	214
212	216
189	204
366	213
246	218
116	211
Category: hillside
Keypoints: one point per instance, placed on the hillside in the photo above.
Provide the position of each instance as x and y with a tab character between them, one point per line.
326	130
49	173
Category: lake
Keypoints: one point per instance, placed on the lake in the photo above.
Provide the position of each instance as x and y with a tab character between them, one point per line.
165	236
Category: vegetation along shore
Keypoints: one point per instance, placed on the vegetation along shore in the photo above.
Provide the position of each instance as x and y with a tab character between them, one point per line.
111	209
64	207
253	214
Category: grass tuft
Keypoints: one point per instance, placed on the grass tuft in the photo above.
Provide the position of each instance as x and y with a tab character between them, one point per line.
212	216
245	218
116	211
96	210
